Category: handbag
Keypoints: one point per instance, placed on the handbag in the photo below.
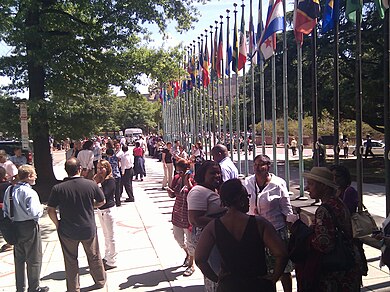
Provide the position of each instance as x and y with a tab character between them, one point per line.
362	223
341	258
7	225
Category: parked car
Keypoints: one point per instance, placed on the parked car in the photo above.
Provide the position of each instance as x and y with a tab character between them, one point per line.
378	147
9	146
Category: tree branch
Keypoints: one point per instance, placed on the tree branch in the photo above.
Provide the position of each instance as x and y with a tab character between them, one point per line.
56	11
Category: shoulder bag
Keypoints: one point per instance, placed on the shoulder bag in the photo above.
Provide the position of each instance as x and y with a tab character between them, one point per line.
341	258
7	225
362	223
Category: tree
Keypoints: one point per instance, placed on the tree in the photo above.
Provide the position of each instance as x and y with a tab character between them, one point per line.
76	48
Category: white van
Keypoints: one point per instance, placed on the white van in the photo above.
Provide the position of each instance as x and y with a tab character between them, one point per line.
132	134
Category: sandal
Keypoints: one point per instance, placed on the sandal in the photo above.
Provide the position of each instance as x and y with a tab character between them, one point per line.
189	271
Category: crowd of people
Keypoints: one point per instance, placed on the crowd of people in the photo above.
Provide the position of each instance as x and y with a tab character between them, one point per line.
242	233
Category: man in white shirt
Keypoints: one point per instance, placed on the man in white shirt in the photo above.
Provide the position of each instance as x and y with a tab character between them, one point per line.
127	164
269	198
10	168
142	143
221	155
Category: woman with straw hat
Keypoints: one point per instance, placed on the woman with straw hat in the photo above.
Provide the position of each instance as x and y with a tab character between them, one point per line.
320	239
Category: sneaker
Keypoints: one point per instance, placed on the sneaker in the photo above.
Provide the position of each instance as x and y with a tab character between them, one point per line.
42	289
129	200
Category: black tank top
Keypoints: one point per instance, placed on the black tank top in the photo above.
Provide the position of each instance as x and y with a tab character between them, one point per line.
243	262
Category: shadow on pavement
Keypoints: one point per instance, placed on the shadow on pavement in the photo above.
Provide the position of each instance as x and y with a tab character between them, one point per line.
378	287
196	288
373	259
153	189
152	278
60	275
47	230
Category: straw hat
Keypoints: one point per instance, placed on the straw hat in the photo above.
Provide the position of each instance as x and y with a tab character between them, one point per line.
321	175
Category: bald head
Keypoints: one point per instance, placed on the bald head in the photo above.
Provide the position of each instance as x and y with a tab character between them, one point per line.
219	152
72	166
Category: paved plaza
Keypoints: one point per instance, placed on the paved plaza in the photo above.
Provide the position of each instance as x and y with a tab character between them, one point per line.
149	257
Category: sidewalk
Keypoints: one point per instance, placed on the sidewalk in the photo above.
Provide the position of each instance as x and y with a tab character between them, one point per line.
149	257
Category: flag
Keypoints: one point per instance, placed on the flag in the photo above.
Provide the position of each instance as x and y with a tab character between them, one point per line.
219	53
242	51
252	39
351	7
163	95
330	16
183	87
235	46
215	53
275	22
200	65
229	54
176	88
170	90
206	75
191	68
306	15
298	35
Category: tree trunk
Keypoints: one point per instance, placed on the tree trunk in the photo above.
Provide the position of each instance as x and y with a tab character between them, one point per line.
39	124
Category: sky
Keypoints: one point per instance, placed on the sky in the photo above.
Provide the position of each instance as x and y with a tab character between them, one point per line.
209	13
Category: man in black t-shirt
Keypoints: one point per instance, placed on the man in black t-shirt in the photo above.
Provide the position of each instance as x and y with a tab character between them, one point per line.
76	198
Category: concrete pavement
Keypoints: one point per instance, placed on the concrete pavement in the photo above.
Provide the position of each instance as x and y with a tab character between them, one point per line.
149	258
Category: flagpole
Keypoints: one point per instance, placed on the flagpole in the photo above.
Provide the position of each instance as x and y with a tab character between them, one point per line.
217	82
222	72
387	106
194	108
315	96
273	112
336	93
300	117
203	99
208	104
359	112
186	107
212	87
251	53
261	75
285	101
244	104
201	104
228	66
238	131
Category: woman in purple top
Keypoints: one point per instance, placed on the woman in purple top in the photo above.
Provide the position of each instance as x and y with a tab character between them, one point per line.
345	191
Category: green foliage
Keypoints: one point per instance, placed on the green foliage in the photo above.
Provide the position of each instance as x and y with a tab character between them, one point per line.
325	127
10	121
68	53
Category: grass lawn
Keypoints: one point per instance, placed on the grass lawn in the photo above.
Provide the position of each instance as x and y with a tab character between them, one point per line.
373	168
